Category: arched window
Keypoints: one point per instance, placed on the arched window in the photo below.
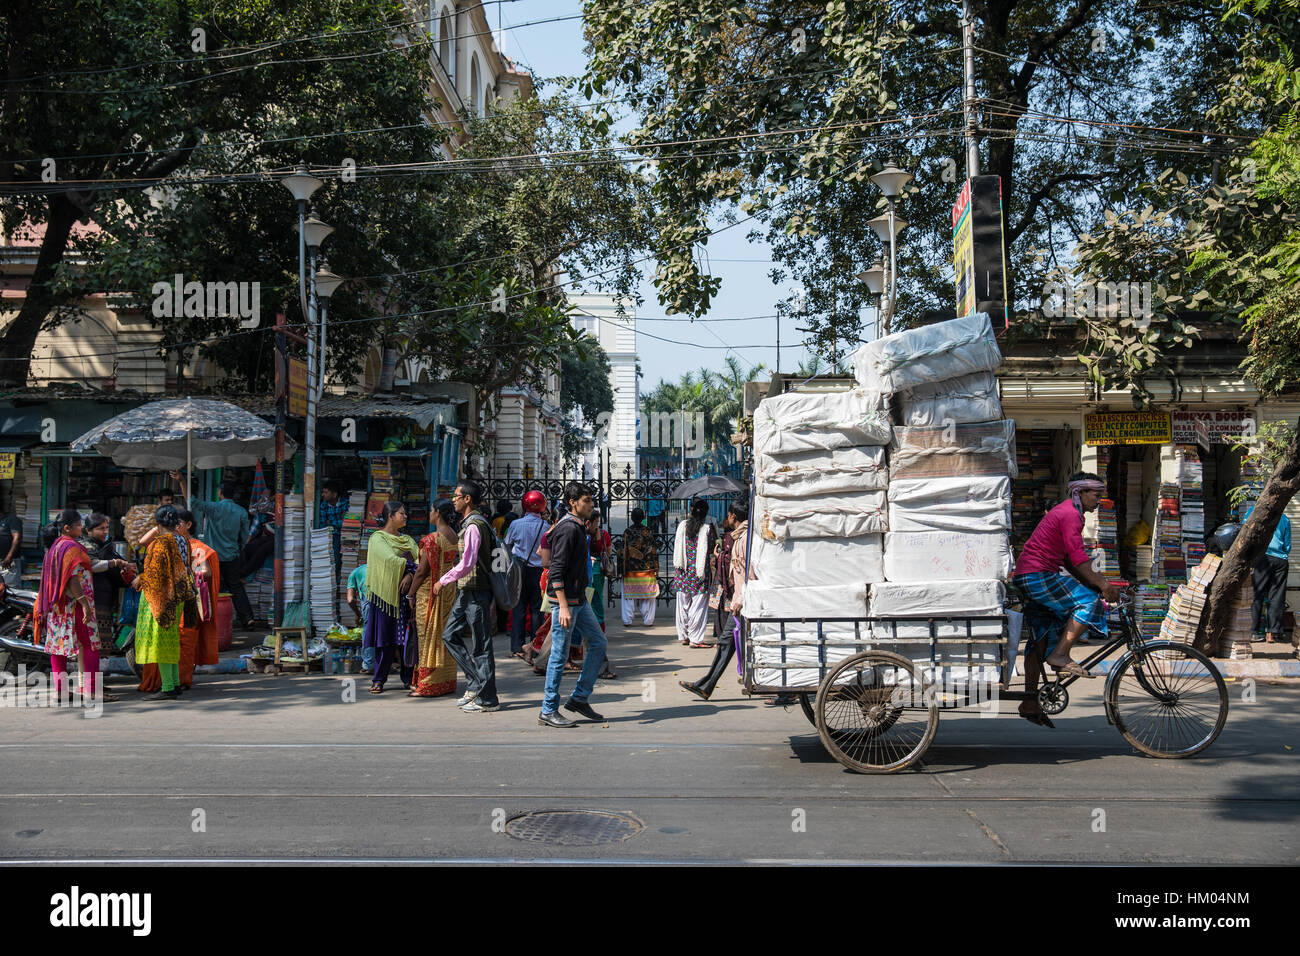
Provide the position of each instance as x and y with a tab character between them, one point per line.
475	90
446	43
488	98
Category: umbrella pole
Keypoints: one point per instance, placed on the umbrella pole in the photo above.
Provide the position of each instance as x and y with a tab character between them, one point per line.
189	468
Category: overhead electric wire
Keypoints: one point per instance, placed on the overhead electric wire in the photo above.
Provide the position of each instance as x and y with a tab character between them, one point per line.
153	349
591	104
643	151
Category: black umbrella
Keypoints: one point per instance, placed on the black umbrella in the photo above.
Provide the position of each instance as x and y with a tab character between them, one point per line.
707	485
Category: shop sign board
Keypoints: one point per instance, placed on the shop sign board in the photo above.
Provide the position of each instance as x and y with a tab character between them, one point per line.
7	467
1127	428
978	250
1214	427
298	387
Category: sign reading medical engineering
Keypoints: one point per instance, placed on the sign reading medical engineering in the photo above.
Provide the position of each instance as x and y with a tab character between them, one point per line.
1127	428
978	251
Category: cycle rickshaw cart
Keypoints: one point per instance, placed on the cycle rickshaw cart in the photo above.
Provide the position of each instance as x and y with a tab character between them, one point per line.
874	686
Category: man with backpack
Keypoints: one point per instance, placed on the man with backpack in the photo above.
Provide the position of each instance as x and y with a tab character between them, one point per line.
567	579
468	634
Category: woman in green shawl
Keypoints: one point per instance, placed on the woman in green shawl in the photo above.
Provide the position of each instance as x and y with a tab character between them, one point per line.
390	567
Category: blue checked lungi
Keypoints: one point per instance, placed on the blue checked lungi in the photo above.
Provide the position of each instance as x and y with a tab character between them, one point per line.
1054	598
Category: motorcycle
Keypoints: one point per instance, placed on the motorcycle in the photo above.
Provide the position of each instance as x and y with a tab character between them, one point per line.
16	648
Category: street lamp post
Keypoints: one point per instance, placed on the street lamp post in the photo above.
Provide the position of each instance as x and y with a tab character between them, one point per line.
875	280
315	232
301	184
891	181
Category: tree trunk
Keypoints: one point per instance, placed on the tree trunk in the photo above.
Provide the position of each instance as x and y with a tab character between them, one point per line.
1249	547
19	339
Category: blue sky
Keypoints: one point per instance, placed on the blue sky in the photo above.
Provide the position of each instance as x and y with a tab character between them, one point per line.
555	49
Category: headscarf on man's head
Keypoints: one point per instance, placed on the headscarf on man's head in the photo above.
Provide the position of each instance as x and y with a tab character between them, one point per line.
1078	487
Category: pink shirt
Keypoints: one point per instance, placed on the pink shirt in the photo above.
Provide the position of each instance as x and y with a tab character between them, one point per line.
466	563
1058	539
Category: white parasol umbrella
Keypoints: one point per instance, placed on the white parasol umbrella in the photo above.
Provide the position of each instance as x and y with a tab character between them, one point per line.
189	433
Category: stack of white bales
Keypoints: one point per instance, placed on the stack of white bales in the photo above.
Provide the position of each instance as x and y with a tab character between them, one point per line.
951	462
819	514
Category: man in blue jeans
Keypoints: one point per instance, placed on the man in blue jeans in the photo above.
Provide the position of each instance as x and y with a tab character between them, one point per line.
569	575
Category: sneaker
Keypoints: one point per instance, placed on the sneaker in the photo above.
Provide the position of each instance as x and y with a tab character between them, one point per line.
467	698
476	708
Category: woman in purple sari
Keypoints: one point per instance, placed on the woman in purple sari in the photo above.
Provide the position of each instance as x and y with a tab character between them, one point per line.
390	568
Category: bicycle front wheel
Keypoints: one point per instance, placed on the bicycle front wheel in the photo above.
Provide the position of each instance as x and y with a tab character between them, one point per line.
1168	700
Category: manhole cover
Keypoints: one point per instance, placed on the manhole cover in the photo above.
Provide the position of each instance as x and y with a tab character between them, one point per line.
573	827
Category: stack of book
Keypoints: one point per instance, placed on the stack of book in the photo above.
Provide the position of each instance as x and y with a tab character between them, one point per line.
1168	540
1152	603
353	521
1107	536
323	584
27	505
294	528
1236	645
382	480
1191	508
1188	603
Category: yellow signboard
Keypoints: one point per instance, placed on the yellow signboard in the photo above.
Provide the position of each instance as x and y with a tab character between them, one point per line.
963	252
298	388
1128	428
7	467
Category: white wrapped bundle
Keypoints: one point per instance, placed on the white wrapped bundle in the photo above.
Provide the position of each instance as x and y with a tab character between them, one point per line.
808	421
986	448
801	647
834	600
946	556
808	562
800	475
950	504
931	353
839	516
946	599
970	398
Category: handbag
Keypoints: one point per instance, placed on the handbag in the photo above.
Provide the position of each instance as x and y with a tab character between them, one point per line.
204	599
715	597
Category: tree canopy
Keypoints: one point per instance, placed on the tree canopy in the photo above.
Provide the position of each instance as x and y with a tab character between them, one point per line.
790	106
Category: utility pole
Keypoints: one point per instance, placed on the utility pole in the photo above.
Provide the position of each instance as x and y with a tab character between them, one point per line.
968	102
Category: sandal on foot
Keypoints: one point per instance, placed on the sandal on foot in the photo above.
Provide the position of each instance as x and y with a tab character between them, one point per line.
376	689
1073	669
699	692
1039	718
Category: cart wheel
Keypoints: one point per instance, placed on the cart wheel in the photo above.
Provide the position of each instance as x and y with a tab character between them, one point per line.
876	713
806	705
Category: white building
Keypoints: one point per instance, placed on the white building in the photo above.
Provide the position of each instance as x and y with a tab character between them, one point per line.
598	315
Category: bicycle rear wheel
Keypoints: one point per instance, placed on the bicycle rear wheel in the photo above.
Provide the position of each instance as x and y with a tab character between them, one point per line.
1169	702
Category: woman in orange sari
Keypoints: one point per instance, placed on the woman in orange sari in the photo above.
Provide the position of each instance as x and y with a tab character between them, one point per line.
435	675
199	636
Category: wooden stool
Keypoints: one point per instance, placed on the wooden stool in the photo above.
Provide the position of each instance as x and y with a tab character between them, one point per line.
281	633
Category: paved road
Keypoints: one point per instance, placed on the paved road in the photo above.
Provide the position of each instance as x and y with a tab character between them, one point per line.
282	768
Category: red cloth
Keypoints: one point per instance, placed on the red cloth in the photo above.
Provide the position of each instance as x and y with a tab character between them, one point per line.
1058	539
56	571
